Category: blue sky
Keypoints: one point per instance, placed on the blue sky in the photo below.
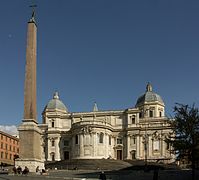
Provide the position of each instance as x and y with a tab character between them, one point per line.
100	50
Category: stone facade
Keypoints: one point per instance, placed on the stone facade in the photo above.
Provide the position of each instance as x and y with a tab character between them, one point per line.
9	148
133	133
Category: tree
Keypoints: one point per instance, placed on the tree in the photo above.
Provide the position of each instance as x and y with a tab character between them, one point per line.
185	141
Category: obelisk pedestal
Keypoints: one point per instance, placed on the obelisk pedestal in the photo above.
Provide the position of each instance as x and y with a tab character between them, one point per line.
30	146
30	152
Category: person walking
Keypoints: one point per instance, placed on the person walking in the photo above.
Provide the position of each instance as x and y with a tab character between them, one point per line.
102	176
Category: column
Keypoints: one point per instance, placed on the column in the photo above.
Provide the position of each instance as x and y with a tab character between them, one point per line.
48	150
141	147
149	147
128	147
57	149
163	148
106	145
81	145
137	147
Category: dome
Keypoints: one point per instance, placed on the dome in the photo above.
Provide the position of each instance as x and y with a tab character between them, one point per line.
56	103
149	96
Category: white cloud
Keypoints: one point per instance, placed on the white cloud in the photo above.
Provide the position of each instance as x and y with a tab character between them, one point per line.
10	129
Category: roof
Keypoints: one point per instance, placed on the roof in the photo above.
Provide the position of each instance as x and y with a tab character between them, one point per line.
149	96
56	103
9	135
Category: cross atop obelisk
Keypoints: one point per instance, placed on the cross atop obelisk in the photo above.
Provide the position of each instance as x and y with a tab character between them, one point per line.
33	12
30	108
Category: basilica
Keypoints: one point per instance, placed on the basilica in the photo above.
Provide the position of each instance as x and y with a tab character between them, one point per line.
132	133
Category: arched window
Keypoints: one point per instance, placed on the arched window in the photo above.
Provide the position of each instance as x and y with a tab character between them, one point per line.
53	124
101	137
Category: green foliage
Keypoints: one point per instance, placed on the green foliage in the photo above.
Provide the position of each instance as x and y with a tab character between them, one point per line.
185	139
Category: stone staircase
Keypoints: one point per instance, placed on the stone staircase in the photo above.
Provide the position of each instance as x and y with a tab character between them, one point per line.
88	164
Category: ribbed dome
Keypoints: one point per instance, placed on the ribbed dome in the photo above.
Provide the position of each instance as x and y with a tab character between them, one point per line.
149	96
56	103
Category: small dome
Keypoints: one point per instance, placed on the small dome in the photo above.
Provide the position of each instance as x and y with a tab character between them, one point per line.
56	103
149	96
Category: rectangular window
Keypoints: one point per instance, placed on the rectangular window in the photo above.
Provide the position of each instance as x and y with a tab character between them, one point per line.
53	143
119	140
6	147
6	156
10	148
160	114
156	145
168	145
109	140
1	137
133	119
76	139
87	139
1	145
134	140
66	143
13	148
53	157
1	155
150	113
101	137
10	156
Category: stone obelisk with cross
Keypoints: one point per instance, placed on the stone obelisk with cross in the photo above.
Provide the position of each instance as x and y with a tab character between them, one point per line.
30	152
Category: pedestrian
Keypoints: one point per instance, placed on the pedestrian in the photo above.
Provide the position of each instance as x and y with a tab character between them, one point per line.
14	170
155	174
26	170
38	171
19	170
102	176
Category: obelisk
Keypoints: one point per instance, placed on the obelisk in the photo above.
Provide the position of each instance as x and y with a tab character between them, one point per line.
30	153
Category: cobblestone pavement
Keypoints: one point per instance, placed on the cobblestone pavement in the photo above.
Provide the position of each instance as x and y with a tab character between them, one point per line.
113	175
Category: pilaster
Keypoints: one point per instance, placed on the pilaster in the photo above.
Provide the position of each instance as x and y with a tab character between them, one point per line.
138	147
57	149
